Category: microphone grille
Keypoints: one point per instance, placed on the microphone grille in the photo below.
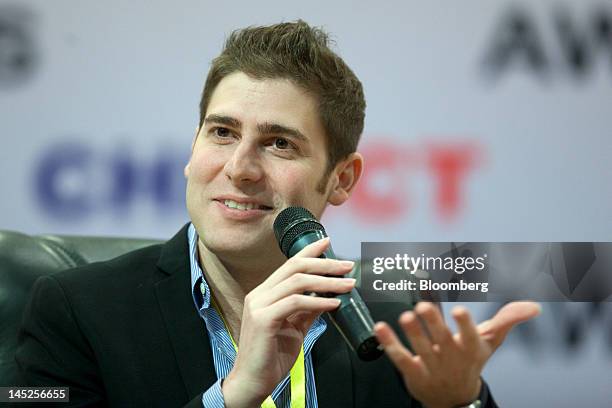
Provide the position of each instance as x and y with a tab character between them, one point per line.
293	222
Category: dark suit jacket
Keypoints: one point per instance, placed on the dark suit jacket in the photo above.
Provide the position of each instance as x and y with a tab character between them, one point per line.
126	333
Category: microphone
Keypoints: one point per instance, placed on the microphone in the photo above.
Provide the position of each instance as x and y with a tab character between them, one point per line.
296	227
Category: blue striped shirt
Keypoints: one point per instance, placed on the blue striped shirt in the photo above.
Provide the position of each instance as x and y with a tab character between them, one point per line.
224	354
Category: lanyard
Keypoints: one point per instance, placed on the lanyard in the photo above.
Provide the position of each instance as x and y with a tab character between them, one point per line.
297	378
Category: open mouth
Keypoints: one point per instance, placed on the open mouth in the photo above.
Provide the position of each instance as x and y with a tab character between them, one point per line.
244	206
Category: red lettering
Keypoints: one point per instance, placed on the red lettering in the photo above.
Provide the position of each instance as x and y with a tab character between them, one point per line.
380	195
449	165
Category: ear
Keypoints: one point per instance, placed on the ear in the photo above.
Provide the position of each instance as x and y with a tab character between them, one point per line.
345	177
193	141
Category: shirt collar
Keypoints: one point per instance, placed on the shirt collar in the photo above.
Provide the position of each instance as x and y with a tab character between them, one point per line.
199	287
201	291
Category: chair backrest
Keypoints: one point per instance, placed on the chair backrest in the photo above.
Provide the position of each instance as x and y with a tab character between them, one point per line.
24	258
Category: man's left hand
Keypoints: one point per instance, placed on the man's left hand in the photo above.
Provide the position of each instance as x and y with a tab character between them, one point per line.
445	371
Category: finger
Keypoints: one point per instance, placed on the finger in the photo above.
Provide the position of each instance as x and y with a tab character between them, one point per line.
496	329
468	334
319	266
289	305
440	333
401	357
416	336
303	282
313	249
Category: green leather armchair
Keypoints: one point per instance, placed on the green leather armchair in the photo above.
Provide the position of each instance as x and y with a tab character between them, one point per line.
24	258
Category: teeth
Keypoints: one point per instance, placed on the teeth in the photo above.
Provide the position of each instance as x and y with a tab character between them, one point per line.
240	206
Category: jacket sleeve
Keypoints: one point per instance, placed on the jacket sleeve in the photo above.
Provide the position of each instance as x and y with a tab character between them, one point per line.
52	350
485	397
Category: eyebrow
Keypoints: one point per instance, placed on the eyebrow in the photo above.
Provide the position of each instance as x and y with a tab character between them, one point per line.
276	129
263	128
223	120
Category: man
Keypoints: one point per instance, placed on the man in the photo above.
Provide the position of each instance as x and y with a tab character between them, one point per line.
217	316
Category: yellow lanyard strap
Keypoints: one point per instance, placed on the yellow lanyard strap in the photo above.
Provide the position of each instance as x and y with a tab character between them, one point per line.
297	378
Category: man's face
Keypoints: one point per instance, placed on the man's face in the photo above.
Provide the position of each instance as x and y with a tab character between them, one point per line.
261	149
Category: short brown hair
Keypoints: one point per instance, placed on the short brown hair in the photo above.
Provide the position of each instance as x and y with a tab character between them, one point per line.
300	53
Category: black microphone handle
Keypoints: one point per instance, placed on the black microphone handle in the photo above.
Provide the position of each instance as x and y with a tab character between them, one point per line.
352	317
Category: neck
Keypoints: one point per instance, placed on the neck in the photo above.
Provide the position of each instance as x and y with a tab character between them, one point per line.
229	282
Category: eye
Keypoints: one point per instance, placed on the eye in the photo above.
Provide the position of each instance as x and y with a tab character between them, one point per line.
283	147
222	132
281	144
222	135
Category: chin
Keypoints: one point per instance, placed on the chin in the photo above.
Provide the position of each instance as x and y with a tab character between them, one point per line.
239	243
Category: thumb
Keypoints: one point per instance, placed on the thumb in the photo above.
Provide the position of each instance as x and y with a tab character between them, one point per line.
495	329
303	320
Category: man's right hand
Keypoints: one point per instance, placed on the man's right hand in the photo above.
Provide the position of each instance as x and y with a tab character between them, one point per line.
275	319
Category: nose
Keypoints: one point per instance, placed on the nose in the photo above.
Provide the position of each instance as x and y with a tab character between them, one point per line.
244	165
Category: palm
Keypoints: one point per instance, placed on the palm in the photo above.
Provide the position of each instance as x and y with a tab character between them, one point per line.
446	369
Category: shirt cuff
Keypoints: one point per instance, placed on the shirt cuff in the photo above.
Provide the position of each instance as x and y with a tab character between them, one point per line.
213	397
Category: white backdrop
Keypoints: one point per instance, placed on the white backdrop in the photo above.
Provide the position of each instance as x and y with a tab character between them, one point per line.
486	121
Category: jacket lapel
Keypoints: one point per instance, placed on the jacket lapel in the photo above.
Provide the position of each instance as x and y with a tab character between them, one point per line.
332	369
189	338
185	328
